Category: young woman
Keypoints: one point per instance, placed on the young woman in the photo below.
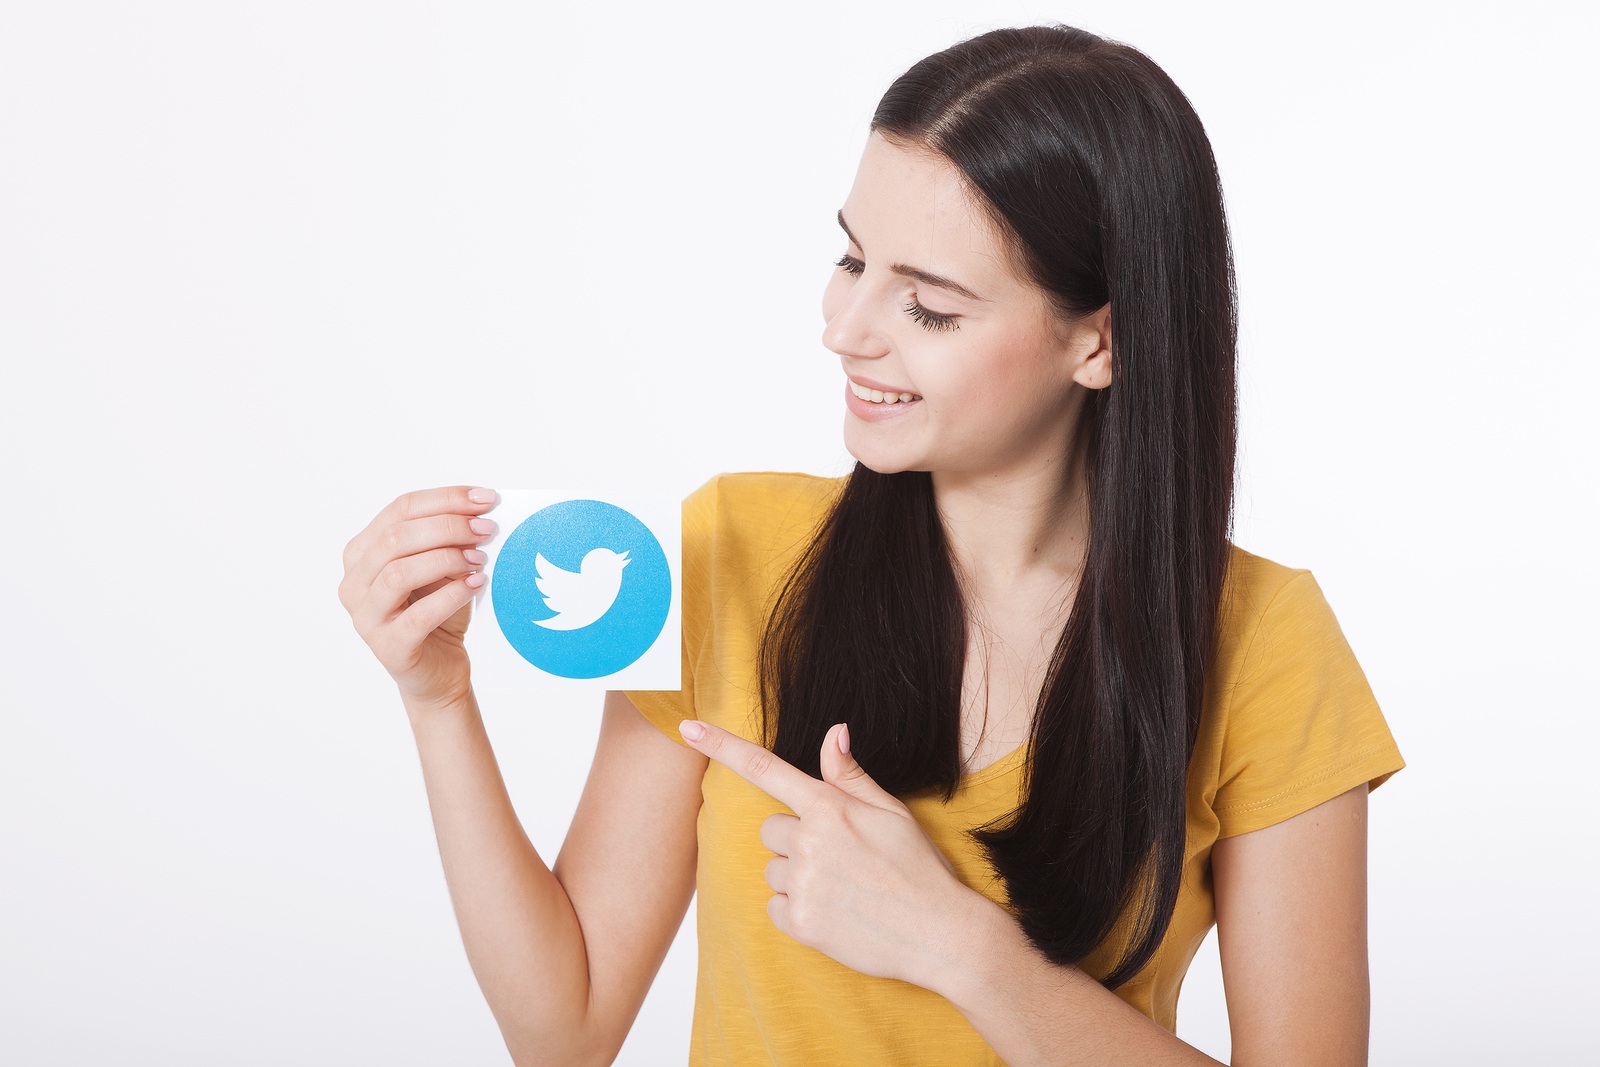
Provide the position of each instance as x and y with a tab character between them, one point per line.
975	744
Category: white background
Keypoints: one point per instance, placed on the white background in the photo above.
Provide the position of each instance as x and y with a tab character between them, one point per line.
264	266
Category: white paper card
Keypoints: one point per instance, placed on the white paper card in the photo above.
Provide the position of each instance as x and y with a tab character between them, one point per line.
582	592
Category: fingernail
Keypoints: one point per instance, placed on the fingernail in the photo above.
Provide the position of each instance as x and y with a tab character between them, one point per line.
481	526
691	729
844	739
475	579
481	496
473	556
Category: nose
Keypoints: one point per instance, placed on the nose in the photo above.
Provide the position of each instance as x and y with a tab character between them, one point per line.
852	327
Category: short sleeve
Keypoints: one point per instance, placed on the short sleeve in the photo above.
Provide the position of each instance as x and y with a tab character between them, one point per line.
1302	725
666	708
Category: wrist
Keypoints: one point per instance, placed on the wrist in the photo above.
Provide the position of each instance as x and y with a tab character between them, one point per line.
431	708
982	933
992	954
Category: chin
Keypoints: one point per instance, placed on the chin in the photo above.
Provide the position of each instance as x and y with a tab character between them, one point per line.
874	455
883	468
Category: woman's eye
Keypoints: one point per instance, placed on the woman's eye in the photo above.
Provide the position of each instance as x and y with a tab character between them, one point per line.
930	320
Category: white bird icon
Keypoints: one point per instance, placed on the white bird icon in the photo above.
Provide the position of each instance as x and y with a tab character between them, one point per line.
579	599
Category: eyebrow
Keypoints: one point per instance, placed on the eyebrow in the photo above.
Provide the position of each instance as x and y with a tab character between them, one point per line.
925	277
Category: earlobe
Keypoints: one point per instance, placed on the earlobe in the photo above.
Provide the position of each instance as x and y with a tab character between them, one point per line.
1094	372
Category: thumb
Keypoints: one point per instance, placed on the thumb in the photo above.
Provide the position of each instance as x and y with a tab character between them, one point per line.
840	769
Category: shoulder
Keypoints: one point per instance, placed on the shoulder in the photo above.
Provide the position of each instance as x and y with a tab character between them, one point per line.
1266	609
763	491
741	532
1290	719
1252	585
759	506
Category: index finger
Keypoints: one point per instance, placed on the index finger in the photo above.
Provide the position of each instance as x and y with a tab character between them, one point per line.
469	500
465	499
780	780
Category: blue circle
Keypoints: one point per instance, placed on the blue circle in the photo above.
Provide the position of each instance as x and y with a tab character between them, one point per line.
566	535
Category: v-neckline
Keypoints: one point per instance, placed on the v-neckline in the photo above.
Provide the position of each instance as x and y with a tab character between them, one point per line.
999	766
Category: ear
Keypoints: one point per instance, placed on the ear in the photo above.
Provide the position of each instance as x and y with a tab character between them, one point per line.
1092	342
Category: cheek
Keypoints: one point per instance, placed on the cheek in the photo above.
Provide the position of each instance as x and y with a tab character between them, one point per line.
984	371
988	382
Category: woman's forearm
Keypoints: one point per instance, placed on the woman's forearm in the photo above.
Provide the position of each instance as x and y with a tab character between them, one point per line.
522	936
1033	1011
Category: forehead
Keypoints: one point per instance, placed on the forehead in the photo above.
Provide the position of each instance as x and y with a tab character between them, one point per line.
911	205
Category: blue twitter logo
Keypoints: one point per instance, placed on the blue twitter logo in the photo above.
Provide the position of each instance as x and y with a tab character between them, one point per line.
581	589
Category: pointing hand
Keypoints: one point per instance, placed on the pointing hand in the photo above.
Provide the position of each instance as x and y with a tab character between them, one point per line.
854	876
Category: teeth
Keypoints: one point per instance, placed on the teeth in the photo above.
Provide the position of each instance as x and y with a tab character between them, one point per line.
878	396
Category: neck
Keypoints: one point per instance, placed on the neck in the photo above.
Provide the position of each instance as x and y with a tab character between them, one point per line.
1028	524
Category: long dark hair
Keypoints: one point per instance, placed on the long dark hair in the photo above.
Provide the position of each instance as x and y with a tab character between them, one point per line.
1096	167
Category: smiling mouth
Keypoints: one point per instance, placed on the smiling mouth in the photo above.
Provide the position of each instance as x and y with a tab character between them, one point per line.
878	396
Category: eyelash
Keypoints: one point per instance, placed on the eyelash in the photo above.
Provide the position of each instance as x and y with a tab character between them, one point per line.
928	320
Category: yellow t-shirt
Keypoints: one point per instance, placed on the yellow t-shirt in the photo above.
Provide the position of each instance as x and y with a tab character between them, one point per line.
1288	723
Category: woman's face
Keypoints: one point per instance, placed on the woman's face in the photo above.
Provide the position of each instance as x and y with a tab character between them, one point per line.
927	307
